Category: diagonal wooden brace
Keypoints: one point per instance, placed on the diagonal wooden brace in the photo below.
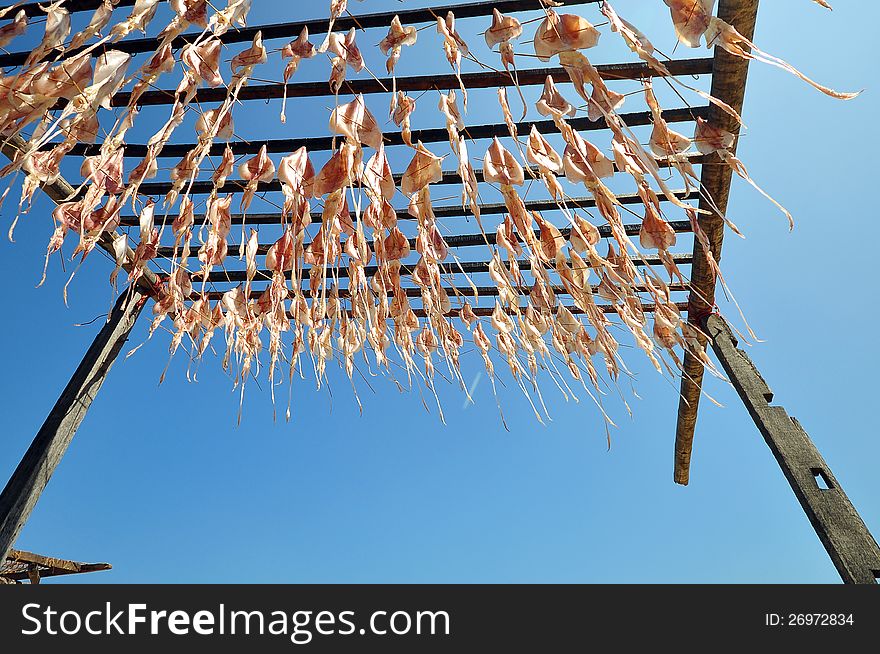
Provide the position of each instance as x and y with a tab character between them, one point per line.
842	531
43	456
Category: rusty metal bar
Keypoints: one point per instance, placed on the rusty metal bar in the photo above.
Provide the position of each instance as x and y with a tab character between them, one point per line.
317	26
434	135
451	291
35	9
415	84
467	267
485	312
470	240
205	187
450	211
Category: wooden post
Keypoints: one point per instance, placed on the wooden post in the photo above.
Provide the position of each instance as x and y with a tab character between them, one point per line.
840	528
42	457
729	85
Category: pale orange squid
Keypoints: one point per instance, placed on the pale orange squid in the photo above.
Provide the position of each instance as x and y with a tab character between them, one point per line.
501	167
667	143
424	168
235	13
182	228
549	162
16	28
223	170
726	36
714	140
141	16
642	46
57	31
354	121
348	55
256	170
455	48
392	46
243	63
501	32
297	50
564	33
402	110
296	174
214	250
691	19
337	8
186	13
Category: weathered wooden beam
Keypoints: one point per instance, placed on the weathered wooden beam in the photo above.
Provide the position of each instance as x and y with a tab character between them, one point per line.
728	84
842	531
46	574
48	447
21	565
33	472
45	561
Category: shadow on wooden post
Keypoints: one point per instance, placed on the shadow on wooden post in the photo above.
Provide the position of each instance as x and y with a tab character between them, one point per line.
42	457
842	531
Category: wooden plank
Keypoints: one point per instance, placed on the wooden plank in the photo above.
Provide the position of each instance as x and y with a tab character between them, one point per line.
21	565
728	84
45	561
48	447
842	531
45	574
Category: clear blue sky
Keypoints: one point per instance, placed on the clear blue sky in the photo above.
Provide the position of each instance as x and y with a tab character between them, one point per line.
161	484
